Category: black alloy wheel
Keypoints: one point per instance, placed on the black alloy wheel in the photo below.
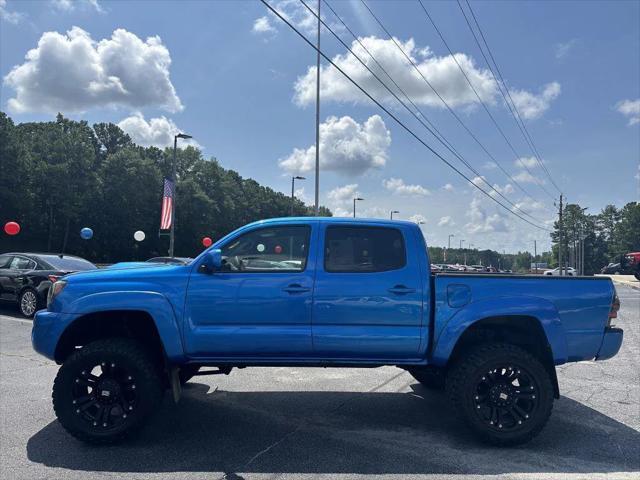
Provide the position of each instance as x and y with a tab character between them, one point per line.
106	390
503	393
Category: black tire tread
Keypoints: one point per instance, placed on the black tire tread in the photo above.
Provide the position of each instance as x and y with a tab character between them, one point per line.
458	376
122	347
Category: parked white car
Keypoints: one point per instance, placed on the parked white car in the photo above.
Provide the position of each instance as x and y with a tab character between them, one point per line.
570	271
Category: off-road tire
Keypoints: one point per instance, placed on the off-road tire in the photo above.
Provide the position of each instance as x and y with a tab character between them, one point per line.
462	385
126	354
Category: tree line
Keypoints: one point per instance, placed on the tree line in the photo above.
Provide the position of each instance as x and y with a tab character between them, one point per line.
607	235
60	176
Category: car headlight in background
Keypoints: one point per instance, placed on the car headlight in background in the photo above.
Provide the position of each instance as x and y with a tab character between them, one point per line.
55	289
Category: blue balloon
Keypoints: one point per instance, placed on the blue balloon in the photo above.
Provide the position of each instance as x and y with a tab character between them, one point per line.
86	233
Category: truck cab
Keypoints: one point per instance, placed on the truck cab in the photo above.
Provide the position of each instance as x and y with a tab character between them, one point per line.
319	291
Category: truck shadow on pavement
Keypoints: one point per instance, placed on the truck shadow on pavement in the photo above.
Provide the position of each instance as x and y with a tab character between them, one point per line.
339	433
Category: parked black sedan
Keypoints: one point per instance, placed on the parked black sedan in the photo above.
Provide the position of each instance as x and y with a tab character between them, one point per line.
25	278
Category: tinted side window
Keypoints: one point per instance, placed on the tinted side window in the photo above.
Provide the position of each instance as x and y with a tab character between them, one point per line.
363	249
271	249
5	261
21	263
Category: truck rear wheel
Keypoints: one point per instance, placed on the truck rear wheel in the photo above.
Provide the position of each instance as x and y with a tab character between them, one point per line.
106	391
429	377
503	393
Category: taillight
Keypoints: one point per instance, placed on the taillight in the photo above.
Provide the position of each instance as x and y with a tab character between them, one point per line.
53	278
615	306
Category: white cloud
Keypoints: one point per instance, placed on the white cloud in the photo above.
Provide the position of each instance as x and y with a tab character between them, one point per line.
526	177
344	194
630	109
263	25
373	212
70	5
481	222
301	195
398	187
10	16
418	218
297	14
446	222
442	73
563	49
528	162
532	106
447	187
158	132
346	146
72	72
490	165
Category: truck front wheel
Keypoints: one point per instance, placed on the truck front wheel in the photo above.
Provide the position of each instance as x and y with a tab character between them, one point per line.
106	390
503	393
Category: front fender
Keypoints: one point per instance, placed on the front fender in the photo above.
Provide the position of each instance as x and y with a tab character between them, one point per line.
153	303
447	331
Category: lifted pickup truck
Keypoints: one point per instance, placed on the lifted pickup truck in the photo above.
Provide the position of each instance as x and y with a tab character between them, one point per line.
319	292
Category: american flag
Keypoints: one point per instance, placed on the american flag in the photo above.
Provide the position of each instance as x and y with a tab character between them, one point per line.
167	205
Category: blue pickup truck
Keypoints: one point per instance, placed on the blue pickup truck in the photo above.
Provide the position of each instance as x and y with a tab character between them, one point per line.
319	292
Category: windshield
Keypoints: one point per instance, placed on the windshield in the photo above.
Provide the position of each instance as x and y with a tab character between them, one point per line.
68	264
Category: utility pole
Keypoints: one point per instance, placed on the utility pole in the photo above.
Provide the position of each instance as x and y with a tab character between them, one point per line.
535	254
317	204
561	238
356	199
173	179
293	181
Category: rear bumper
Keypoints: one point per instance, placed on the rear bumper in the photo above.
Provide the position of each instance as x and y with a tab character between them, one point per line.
611	343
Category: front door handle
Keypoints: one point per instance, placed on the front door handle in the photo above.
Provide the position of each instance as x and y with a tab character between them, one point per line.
401	290
296	288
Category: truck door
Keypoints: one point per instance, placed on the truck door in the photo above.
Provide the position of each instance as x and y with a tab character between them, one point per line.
368	295
259	305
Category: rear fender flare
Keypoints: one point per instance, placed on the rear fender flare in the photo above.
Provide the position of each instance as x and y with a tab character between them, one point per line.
542	310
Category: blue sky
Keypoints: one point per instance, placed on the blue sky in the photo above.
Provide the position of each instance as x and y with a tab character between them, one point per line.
238	80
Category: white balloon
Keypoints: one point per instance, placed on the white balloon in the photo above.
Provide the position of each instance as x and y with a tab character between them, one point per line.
139	236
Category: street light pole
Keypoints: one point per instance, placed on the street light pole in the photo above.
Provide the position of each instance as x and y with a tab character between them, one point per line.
293	181
392	212
449	241
173	180
317	199
357	199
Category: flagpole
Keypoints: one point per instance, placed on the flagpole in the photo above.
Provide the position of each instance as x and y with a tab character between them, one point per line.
173	202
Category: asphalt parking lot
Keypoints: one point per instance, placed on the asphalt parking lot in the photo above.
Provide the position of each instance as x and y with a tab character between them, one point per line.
324	423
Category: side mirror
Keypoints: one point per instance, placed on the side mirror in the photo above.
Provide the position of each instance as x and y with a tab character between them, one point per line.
213	260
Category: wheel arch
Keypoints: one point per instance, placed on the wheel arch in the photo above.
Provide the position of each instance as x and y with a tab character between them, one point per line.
138	325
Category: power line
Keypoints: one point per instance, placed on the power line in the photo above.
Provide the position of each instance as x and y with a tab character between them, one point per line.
441	138
523	129
455	115
509	102
394	117
446	44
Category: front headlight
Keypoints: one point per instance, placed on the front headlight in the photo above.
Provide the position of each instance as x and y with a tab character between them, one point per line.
54	290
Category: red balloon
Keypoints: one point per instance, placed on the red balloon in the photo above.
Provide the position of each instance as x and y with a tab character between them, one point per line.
206	241
278	249
11	228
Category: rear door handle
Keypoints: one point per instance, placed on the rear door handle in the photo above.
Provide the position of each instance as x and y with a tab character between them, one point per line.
296	288
401	290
